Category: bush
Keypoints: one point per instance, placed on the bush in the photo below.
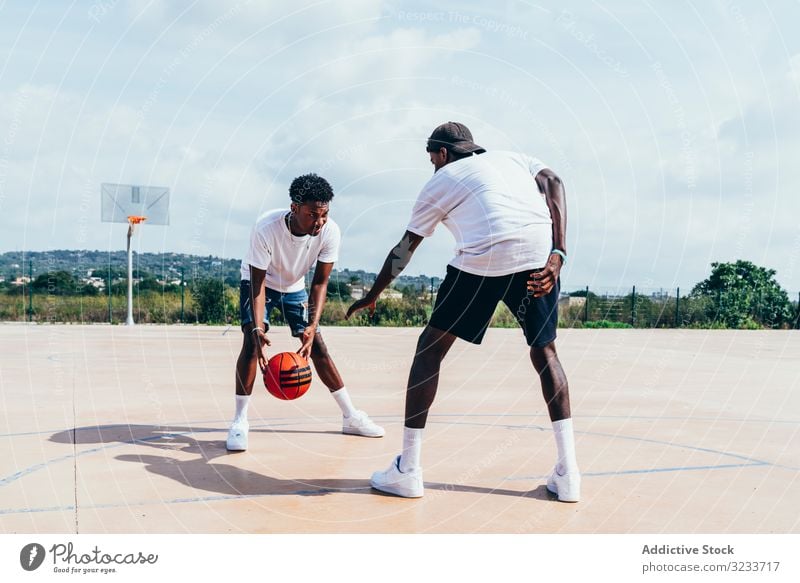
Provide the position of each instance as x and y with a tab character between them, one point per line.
606	324
212	303
742	294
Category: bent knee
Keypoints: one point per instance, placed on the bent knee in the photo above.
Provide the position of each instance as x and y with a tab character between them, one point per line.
319	349
546	349
430	351
541	355
248	349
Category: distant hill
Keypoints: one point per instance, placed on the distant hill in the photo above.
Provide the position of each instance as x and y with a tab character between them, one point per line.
163	266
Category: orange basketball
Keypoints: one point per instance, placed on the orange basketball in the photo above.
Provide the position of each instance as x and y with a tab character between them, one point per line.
288	376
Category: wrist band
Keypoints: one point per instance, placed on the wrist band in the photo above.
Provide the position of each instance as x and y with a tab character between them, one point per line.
561	253
254	330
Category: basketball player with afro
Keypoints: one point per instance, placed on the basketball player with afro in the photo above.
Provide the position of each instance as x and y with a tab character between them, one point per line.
507	212
284	246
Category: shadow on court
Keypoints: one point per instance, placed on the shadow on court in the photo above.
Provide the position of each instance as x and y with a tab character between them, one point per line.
204	473
147	434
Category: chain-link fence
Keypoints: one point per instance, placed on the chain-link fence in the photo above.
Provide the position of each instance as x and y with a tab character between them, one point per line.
100	296
661	308
198	296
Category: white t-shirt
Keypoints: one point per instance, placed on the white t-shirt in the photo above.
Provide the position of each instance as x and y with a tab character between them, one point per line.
492	206
285	257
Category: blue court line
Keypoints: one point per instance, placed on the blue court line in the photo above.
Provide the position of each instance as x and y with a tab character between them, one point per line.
115	425
431	416
647	471
34	468
13	477
751	462
676	469
27	471
217	498
322	491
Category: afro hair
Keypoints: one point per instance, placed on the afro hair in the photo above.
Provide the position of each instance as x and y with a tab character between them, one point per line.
310	188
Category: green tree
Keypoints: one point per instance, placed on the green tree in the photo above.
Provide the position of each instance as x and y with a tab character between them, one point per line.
149	283
57	283
338	290
744	295
581	293
211	300
116	273
400	312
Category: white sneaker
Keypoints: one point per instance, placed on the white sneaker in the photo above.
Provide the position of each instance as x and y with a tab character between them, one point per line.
237	436
359	423
393	481
567	487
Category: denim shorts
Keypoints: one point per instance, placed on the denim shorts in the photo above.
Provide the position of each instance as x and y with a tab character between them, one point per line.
293	306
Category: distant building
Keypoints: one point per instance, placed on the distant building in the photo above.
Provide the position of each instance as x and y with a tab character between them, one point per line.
572	300
359	291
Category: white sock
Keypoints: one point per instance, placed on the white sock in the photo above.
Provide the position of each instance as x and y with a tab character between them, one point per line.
342	398
412	449
565	444
242	401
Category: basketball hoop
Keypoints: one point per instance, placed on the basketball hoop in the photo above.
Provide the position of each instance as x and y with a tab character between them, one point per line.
134	220
133	204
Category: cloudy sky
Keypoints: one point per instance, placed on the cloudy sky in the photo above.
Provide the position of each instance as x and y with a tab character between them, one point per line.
675	125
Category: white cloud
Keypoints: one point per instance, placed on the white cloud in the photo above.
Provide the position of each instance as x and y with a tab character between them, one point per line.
685	159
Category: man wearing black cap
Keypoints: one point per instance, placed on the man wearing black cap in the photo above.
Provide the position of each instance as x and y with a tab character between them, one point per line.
507	212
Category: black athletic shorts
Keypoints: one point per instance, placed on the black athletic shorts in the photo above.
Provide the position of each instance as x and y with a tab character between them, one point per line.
466	303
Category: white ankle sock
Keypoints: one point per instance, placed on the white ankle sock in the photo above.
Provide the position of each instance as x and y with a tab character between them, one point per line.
343	400
565	444
412	449
242	401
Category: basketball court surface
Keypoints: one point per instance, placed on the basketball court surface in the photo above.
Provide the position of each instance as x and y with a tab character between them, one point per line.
122	430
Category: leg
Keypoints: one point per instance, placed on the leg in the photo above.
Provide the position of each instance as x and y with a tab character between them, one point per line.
423	379
539	320
565	480
354	422
246	364
555	388
324	365
464	307
246	369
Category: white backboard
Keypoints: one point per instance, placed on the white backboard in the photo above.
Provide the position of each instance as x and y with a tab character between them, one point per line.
120	201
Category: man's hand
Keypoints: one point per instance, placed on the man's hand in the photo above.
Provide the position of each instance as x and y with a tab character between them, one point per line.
365	302
262	342
542	282
307	341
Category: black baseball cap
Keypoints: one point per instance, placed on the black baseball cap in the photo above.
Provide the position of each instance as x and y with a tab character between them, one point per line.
454	136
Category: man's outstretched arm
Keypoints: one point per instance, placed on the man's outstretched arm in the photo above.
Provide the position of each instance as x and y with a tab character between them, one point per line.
395	262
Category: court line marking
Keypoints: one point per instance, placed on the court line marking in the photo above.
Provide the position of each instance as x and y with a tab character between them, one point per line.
648	471
36	467
431	416
750	462
317	492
